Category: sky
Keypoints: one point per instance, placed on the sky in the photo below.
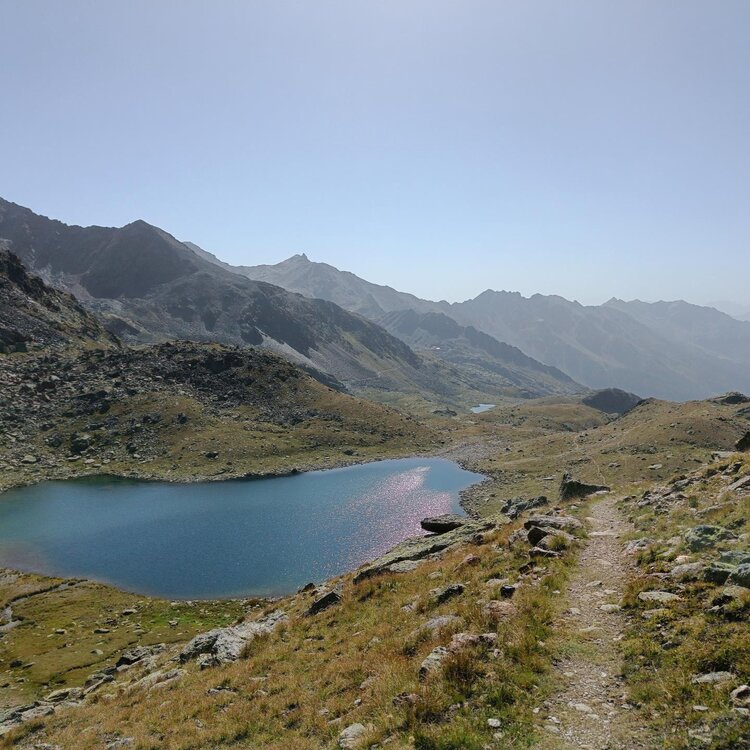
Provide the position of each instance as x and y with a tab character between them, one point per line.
587	148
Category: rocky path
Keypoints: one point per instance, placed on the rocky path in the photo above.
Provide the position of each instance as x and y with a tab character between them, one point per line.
591	712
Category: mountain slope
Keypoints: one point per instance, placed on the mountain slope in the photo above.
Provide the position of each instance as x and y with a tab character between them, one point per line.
299	274
466	346
638	349
712	331
603	346
150	287
426	328
33	315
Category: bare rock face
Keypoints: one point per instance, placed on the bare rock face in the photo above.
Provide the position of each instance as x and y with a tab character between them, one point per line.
743	444
571	488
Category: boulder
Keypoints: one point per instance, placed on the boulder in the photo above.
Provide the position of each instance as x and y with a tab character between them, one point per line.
743	444
443	524
741	576
444	593
222	645
352	736
705	536
572	488
562	523
732	398
712	678
433	662
735	557
498	610
324	601
687	571
517	505
421	547
717	572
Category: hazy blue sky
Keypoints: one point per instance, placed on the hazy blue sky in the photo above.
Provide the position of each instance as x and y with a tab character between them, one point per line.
588	149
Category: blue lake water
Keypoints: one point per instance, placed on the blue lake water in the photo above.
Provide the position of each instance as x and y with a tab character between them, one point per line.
224	539
479	408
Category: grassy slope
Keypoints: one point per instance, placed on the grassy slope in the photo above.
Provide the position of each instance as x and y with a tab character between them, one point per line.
317	669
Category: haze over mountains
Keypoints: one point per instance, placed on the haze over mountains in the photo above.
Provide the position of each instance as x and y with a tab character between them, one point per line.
672	350
149	287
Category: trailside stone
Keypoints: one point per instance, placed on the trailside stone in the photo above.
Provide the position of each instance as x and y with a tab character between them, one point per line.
421	547
222	645
717	572
663	597
571	488
433	662
352	736
741	576
562	523
712	678
705	536
557	539
443	524
687	571
517	505
497	610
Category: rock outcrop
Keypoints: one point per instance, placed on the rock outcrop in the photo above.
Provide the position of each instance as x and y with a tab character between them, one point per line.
571	488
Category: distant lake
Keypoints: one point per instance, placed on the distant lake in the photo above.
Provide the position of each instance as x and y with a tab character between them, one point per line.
482	407
224	539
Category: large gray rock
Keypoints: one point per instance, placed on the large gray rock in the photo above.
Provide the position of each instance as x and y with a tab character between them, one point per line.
421	547
687	571
444	593
443	524
705	536
222	645
352	737
743	444
662	597
717	572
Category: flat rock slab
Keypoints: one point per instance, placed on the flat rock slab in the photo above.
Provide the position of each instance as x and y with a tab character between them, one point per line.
662	597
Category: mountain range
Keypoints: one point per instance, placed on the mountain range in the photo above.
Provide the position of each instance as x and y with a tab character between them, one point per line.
672	350
148	287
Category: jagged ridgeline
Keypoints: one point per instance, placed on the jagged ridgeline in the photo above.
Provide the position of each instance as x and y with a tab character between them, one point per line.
146	286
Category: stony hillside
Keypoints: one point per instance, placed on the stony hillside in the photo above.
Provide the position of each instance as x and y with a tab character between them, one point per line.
34	316
183	411
587	619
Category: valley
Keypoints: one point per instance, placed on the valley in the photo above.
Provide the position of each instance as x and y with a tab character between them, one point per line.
589	588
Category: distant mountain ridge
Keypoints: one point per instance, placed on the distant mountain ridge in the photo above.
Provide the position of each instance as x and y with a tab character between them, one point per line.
149	287
669	350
